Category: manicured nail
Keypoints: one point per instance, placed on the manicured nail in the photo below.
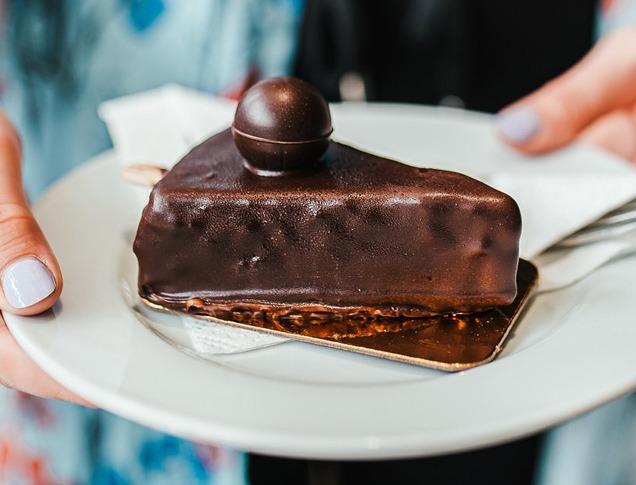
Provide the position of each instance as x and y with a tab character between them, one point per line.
517	124
26	282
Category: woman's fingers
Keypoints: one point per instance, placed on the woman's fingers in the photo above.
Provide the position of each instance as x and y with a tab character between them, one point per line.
604	81
18	371
30	277
614	132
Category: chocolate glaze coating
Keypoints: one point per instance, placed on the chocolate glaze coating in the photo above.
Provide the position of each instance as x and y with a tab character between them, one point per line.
361	237
282	124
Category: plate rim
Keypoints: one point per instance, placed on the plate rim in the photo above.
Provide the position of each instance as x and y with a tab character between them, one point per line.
359	447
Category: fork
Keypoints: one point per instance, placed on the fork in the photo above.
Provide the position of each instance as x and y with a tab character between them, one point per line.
614	224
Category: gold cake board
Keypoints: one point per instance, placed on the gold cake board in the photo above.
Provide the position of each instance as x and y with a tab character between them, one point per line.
448	343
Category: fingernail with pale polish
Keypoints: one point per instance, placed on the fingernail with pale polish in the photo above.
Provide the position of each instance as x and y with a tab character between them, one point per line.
517	124
26	282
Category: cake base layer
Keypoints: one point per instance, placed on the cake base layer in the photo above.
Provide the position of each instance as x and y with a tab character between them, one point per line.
444	342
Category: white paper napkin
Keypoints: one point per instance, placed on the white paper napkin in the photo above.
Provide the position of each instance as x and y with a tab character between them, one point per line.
556	196
558	202
160	126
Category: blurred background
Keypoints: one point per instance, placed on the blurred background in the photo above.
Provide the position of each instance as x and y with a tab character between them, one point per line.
61	59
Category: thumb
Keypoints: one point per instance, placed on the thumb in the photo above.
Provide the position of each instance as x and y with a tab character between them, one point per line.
30	276
603	81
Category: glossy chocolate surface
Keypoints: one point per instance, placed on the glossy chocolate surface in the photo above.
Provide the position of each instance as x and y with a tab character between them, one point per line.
360	237
283	110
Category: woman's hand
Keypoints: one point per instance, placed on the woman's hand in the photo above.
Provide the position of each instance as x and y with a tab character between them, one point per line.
30	277
594	102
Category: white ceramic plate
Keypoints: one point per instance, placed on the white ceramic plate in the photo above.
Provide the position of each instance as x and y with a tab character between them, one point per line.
573	349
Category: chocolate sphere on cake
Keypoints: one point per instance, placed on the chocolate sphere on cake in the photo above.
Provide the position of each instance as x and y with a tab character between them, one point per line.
282	124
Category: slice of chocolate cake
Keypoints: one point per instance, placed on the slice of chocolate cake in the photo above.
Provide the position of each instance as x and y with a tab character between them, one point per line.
345	235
